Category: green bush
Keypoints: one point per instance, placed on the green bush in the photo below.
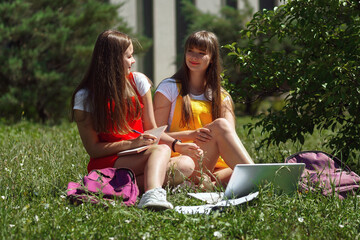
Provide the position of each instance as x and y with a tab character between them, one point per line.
319	73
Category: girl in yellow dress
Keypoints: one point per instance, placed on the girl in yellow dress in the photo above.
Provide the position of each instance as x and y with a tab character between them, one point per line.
197	109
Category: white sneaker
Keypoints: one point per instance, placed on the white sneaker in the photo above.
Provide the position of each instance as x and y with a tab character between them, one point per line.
155	199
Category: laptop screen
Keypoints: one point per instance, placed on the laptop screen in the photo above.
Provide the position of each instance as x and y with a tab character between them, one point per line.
248	178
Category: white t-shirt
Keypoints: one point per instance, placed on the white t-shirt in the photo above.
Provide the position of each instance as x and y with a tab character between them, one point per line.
141	82
169	89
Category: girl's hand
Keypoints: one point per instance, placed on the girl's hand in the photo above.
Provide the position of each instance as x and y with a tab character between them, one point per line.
205	183
190	149
144	139
202	135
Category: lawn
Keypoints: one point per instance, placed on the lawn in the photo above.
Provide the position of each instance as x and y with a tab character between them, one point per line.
38	161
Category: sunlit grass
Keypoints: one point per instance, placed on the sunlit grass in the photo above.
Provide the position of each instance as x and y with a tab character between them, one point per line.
38	161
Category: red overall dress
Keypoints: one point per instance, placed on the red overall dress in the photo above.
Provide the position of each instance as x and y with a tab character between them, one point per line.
109	161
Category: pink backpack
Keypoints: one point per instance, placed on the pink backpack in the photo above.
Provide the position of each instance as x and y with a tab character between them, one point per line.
326	174
108	183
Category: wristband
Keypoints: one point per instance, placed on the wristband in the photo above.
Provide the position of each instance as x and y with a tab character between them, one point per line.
173	144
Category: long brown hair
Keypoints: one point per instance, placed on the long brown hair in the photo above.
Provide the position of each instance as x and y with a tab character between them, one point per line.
109	92
205	41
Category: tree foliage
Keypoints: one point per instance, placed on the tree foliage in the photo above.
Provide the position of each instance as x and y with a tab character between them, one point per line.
46	47
320	74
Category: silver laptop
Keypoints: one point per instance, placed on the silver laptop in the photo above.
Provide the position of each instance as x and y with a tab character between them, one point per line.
248	178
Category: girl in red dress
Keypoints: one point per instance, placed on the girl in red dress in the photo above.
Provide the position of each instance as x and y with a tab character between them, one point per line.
109	104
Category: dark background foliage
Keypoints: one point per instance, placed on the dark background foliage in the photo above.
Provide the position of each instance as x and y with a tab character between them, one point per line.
46	47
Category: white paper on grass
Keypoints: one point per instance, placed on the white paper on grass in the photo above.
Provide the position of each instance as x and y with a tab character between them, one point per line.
209	197
206	209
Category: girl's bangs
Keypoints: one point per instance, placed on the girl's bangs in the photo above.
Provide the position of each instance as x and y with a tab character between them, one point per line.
199	42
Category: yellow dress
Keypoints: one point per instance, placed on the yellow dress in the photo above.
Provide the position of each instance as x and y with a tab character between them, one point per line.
201	113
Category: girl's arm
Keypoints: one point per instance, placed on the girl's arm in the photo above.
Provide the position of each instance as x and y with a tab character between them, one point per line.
228	112
149	119
162	113
91	142
148	112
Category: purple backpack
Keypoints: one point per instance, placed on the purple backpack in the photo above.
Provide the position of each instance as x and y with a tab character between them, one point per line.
108	183
326	174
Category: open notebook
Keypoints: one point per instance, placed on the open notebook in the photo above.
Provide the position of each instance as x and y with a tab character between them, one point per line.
245	182
156	132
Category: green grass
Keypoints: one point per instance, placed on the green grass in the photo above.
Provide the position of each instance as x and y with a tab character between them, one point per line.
38	161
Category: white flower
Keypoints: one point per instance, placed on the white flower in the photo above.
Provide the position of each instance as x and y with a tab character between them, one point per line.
341	226
36	218
217	234
146	236
11	225
127	221
46	206
300	219
111	238
3	197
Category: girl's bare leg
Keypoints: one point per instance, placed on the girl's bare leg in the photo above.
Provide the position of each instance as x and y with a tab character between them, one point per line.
152	164
224	142
222	176
179	168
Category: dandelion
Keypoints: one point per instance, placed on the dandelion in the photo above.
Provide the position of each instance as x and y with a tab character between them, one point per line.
217	234
300	219
146	236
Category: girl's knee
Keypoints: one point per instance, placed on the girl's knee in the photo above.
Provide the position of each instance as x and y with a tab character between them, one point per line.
220	125
183	164
161	153
161	148
186	166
